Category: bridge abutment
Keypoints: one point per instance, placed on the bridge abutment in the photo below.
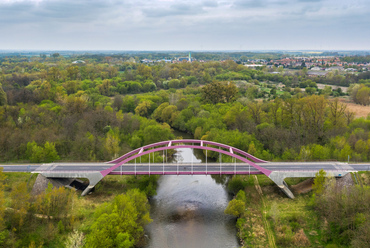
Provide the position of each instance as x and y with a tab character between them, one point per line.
93	177
278	178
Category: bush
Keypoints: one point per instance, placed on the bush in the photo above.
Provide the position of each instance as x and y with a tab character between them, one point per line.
236	184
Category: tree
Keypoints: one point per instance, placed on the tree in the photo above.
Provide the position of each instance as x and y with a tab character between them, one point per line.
20	203
219	92
156	133
2	200
318	185
143	109
121	223
37	154
337	113
75	240
235	207
3	97
111	144
149	86
314	115
255	109
363	96
252	148
50	153
55	202
55	55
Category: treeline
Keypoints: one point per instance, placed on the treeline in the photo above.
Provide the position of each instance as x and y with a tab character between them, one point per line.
36	81
357	59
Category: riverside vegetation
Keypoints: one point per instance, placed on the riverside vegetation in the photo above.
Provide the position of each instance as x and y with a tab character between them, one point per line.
113	216
329	216
51	109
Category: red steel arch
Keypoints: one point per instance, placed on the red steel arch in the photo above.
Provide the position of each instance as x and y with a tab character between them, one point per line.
187	143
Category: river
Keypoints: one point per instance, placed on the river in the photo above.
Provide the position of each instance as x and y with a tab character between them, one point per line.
188	211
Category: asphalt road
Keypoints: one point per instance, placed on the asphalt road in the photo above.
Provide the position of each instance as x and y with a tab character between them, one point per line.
186	167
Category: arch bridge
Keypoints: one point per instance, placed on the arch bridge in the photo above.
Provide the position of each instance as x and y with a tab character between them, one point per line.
258	166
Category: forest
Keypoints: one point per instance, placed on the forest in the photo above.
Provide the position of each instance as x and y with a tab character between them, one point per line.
55	110
52	109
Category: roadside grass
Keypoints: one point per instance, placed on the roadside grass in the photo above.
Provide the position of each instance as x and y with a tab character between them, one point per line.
251	228
364	176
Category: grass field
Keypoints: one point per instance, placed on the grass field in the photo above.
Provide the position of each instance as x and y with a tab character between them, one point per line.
359	110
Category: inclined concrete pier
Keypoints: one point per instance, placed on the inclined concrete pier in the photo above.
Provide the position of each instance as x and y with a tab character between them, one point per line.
93	177
279	176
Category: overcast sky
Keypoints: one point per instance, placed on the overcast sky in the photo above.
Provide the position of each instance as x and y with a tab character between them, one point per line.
185	24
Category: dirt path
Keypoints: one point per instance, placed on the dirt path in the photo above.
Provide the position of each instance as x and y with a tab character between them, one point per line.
268	230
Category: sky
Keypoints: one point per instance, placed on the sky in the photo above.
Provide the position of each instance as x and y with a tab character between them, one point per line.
184	25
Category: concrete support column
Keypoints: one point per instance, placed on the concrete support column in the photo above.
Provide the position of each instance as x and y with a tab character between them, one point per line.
93	180
278	178
94	177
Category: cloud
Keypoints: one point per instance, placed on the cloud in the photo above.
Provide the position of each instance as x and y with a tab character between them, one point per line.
176	24
249	4
178	9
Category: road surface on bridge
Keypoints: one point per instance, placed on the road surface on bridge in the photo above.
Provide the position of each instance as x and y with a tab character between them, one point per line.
278	171
160	168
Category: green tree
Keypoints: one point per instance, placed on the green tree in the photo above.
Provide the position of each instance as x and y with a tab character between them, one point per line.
34	152
362	96
219	92
156	133
252	148
236	184
50	153
144	108
55	55
319	152
21	204
111	144
318	185
241	196
55	203
121	223
235	207
2	200
337	113
37	154
3	97
345	152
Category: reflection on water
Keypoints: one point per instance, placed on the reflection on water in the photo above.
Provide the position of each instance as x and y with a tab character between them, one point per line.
188	211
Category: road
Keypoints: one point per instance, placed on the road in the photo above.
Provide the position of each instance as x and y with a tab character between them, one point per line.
186	168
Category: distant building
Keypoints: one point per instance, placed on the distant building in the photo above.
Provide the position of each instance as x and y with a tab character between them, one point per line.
78	62
146	61
253	65
164	60
185	58
335	68
316	68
